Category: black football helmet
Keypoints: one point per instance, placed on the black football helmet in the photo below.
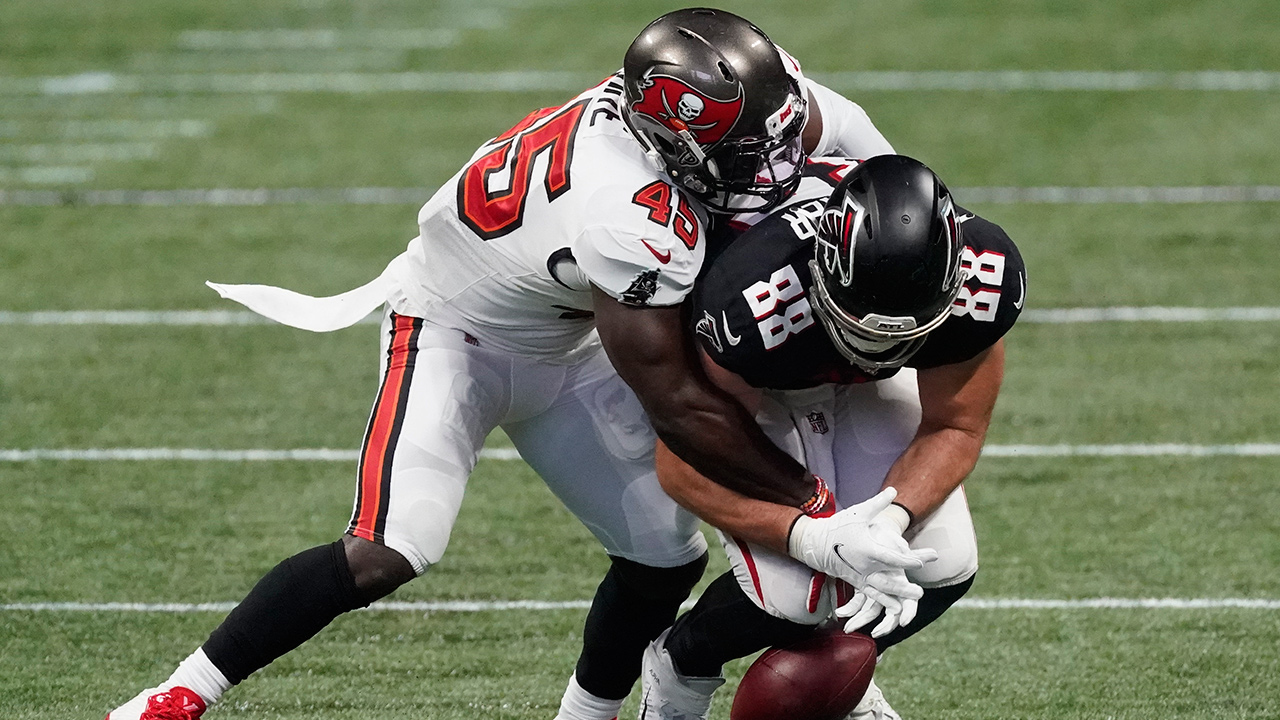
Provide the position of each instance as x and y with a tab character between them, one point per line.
717	107
886	267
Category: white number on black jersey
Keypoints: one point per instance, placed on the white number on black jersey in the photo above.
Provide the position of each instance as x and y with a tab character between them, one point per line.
779	306
981	303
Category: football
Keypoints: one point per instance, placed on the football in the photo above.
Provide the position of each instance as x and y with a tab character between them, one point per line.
820	678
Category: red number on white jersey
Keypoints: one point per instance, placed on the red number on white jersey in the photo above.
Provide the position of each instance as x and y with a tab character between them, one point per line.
492	214
657	197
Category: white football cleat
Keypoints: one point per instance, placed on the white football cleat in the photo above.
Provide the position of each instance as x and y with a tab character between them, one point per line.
666	694
176	703
873	706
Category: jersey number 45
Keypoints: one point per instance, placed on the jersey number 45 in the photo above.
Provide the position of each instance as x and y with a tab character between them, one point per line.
492	214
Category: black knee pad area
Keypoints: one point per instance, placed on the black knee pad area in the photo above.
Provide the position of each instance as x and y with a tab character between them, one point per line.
632	605
656	583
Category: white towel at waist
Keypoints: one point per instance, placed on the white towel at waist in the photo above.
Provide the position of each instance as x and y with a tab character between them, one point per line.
317	314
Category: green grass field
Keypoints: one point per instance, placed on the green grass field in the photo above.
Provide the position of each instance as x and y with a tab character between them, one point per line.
1050	528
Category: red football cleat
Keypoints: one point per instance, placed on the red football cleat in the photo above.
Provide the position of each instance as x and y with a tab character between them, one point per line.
176	703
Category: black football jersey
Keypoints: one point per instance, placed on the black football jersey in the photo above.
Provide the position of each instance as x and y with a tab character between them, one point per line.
751	310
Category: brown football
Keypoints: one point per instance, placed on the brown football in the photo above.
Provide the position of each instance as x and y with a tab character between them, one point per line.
820	678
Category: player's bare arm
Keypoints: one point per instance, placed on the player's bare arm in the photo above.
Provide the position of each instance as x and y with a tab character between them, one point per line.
697	421
763	523
956	403
757	521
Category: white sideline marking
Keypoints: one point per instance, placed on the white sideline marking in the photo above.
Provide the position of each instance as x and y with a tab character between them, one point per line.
255	197
245	317
571	81
331	455
283	39
489	606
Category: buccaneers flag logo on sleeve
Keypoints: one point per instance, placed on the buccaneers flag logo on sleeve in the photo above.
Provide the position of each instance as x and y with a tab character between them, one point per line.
678	106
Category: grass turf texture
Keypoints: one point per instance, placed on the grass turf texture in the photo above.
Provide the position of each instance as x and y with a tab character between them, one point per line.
266	387
1049	528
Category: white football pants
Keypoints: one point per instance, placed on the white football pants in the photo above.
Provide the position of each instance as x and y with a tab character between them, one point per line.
579	426
850	435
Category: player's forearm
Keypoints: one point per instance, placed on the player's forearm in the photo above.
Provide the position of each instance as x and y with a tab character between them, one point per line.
702	424
716	436
756	521
932	467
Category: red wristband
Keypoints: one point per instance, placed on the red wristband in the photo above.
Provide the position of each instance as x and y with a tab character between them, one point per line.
822	503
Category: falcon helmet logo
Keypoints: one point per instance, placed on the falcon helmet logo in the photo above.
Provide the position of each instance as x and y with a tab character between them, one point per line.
678	106
838	236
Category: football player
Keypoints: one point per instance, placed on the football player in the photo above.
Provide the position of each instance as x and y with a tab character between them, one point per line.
864	329
576	233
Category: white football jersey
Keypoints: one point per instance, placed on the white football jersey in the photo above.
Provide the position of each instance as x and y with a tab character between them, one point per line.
510	246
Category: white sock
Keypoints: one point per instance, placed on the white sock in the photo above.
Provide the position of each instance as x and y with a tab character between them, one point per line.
198	673
578	704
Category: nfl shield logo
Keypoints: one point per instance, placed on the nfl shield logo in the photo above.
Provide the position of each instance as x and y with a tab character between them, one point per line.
818	422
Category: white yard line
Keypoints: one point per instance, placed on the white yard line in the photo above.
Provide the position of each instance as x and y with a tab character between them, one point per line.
1134	450
130	129
81	129
570	81
337	455
141	317
1151	314
221	197
1133	195
47	175
258	197
1053	316
1049	80
78	152
320	39
543	605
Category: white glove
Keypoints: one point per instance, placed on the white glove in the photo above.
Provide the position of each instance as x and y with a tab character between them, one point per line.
886	590
871	556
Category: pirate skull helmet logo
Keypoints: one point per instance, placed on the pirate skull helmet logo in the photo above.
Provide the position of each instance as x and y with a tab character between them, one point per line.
690	106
